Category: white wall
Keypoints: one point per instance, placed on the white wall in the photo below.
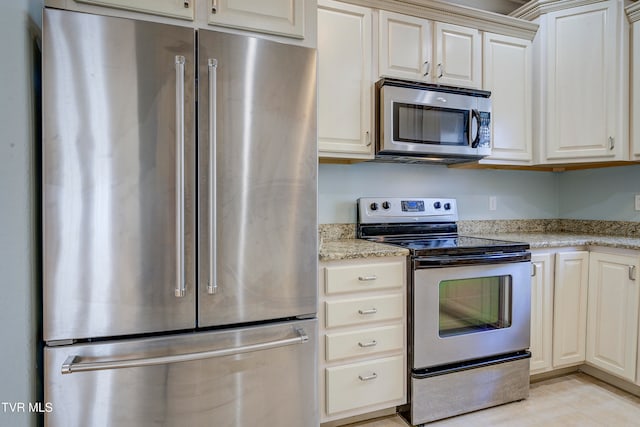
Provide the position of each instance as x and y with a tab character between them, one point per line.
18	271
527	195
606	193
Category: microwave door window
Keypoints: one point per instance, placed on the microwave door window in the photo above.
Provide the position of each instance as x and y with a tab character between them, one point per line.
423	124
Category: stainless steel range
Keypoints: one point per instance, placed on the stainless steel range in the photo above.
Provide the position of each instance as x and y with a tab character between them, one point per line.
469	307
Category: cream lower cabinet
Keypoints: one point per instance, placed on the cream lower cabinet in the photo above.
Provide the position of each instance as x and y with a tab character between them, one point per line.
344	81
541	311
614	299
362	314
507	73
570	308
559	287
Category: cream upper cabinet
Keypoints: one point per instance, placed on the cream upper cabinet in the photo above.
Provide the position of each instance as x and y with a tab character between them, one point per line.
541	312
405	47
635	84
583	106
344	81
183	9
612	329
457	56
281	17
570	308
434	52
507	73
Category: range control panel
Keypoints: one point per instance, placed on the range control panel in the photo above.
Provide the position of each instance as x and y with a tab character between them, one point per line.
373	210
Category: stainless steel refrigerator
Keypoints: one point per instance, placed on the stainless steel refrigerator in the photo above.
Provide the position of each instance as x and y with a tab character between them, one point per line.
179	217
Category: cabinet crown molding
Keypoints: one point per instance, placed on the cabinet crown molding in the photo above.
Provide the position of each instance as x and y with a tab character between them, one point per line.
440	11
535	8
633	12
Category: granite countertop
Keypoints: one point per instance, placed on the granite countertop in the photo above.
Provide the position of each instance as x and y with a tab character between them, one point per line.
558	240
339	240
357	248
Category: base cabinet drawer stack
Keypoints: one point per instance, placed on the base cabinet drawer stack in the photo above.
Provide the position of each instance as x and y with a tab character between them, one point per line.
362	336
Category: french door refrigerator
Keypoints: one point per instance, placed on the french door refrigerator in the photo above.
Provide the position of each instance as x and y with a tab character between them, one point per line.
179	218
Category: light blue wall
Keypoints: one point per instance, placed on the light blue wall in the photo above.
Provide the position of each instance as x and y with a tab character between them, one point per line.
606	193
519	194
18	245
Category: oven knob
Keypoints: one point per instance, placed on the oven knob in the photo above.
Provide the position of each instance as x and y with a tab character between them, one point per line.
437	205
447	206
373	206
386	205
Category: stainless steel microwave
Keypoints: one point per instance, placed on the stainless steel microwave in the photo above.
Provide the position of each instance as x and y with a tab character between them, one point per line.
419	122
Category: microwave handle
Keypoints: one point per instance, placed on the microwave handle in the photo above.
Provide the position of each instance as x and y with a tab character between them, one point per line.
475	141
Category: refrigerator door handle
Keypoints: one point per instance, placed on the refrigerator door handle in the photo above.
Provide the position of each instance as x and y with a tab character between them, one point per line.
73	364
180	270
212	286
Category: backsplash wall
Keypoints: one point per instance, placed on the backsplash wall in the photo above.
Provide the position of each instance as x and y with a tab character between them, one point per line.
606	193
519	194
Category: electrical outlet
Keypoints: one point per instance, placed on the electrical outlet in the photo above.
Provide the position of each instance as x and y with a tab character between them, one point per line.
638	202
493	202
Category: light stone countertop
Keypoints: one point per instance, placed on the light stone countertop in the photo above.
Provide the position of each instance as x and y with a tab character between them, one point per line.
559	240
357	248
339	242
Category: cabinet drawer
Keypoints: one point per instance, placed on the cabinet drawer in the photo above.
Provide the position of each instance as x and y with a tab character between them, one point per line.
363	342
364	384
362	310
364	277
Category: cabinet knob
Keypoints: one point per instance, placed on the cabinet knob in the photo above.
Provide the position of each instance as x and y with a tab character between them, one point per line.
439	71
426	68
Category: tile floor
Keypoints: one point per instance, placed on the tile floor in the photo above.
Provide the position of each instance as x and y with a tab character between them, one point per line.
571	400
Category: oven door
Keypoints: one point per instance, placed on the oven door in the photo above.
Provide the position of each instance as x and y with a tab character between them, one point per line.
469	311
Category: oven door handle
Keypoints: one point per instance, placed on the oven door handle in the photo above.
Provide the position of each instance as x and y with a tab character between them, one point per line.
463	260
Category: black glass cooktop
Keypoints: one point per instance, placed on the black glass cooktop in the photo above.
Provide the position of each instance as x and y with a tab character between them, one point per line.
452	244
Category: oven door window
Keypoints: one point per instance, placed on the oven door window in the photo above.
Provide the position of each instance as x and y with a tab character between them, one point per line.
423	124
474	305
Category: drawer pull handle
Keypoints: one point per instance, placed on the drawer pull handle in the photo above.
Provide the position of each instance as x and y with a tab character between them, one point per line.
373	376
367	278
369	311
372	343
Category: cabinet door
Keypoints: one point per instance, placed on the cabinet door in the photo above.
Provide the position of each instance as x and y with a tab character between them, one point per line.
583	75
458	55
612	328
282	17
404	47
635	103
541	312
344	80
174	8
507	74
570	308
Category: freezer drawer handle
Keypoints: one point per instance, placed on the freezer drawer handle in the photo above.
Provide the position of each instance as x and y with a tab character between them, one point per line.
180	279
371	343
368	311
367	278
212	286
73	363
